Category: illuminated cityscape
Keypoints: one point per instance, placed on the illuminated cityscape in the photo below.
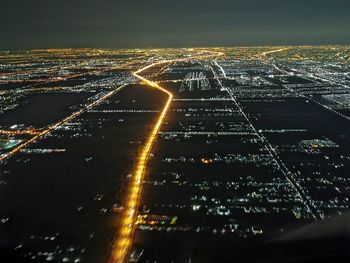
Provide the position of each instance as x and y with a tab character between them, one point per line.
175	154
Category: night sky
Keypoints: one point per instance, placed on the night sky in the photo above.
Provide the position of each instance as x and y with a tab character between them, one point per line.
179	23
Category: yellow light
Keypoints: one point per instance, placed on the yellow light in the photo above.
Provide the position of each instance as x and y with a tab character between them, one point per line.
128	218
124	240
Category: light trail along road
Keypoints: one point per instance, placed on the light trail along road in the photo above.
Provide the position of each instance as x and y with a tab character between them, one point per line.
123	242
273	51
124	239
58	124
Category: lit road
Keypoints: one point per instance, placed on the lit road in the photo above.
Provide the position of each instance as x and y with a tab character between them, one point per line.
58	124
284	169
273	51
124	240
19	132
39	134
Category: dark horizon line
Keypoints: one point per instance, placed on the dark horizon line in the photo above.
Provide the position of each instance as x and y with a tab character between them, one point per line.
177	47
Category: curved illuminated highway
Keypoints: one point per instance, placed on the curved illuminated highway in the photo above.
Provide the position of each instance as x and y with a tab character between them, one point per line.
123	242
